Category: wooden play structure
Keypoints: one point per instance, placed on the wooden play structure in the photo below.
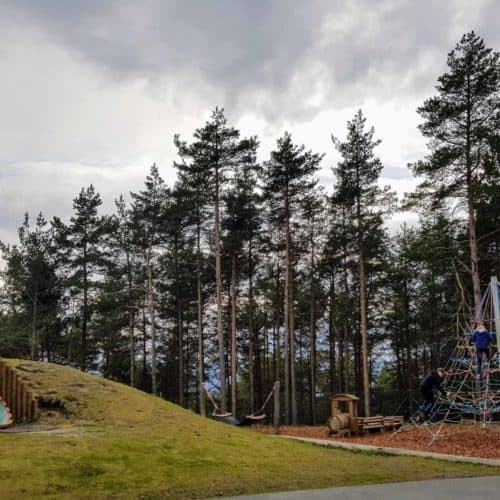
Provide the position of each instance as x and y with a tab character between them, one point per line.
5	415
345	421
344	418
16	396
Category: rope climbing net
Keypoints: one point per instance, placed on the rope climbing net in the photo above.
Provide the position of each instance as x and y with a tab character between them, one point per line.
472	380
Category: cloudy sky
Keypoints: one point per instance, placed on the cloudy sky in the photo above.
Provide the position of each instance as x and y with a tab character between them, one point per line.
92	91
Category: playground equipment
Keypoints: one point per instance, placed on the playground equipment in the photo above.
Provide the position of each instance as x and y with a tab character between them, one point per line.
258	416
5	415
470	395
345	420
17	397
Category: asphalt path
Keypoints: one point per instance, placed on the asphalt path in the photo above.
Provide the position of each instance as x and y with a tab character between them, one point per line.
477	488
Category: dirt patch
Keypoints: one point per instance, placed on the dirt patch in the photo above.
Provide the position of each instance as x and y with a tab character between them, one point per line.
464	440
40	429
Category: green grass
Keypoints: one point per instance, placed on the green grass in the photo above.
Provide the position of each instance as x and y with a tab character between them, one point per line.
122	443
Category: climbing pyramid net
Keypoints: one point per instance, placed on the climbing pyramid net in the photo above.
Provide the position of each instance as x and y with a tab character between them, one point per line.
470	396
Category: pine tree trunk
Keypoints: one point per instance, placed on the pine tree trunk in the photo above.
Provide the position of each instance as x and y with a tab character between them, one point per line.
291	407
131	317
201	364
474	268
218	280
180	339
476	285
151	314
144	348
312	332
277	325
293	377
234	359
181	350
251	381
331	336
406	306
364	329
33	322
286	317
83	360
187	373
344	340
131	346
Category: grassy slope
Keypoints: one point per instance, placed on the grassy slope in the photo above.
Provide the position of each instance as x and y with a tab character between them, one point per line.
122	443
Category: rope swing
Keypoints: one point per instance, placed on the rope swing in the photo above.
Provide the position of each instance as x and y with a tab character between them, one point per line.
259	414
217	412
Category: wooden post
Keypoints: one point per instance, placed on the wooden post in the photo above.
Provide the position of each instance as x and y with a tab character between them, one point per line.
276	412
6	394
29	398
19	400
13	388
34	408
23	401
2	378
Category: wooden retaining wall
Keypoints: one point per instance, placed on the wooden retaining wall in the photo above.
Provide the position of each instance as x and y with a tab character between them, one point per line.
18	394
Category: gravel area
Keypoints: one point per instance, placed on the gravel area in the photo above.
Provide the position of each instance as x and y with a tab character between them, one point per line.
465	440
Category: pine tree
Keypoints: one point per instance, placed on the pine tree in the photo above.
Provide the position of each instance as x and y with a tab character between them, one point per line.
218	149
34	288
148	210
358	193
288	176
179	281
80	245
461	121
126	265
240	225
313	211
194	181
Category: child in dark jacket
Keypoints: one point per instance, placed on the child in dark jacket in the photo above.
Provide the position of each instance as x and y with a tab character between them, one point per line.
482	339
431	382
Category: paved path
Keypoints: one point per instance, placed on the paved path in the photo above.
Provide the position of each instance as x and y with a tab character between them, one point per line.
478	488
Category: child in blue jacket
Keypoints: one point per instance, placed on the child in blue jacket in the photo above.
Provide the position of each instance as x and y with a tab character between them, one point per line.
482	339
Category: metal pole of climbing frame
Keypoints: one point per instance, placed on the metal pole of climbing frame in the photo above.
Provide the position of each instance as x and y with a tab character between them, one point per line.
496	307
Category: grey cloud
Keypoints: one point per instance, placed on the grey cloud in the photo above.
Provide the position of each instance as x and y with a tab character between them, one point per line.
270	55
48	188
229	42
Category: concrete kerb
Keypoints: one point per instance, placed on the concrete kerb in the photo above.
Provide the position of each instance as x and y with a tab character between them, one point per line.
396	451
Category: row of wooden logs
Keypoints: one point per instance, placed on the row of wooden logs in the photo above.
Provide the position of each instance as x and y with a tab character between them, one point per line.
18	394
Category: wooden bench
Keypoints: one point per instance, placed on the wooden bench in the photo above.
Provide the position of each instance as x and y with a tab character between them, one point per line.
394	422
370	423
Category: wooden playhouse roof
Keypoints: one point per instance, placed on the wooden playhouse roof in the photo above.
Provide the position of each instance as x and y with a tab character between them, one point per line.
345	397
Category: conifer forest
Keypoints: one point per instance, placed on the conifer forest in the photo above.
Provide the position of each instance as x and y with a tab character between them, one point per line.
245	272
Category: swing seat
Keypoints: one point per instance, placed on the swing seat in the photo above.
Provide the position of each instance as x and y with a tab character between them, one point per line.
218	414
256	418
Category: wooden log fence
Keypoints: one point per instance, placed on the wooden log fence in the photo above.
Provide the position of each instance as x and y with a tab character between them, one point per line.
18	394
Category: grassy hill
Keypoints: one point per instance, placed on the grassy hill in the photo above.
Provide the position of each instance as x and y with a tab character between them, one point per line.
118	442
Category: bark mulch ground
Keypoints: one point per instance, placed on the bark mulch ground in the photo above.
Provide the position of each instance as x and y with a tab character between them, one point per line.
454	439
